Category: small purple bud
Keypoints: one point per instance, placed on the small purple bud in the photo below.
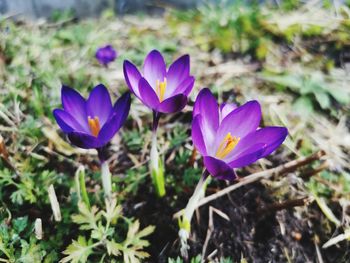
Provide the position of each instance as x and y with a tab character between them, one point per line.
106	55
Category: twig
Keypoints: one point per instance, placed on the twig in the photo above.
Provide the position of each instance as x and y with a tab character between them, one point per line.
211	227
318	251
5	156
284	205
212	254
193	157
282	169
315	171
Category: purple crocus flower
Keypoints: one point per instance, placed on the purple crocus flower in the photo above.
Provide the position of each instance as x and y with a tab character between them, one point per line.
106	55
158	88
229	137
93	122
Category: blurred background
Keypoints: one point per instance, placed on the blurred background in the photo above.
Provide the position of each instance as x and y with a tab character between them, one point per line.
83	8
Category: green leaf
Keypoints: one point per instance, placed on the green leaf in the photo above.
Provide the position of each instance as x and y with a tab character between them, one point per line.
303	105
7	249
31	252
133	244
87	219
177	260
19	224
314	83
17	197
98	233
113	248
113	211
323	99
326	210
289	80
81	186
4	232
78	251
340	95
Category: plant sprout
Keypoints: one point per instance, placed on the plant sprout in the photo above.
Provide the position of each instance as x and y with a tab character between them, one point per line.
92	123
162	90
227	137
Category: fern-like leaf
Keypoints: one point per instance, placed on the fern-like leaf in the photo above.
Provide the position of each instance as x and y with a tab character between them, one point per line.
78	251
87	218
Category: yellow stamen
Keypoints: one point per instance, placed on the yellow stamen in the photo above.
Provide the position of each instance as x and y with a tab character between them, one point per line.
94	125
227	145
160	89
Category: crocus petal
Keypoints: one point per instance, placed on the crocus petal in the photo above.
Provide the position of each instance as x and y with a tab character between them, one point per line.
132	77
121	110
99	104
248	156
226	109
240	122
123	104
273	137
178	72
218	168
74	104
173	104
197	136
154	68
84	140
262	142
66	122
110	128
185	87
147	94
206	106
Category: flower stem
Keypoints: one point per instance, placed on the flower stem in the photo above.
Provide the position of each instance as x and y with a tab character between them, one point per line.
185	221
156	164
106	179
105	174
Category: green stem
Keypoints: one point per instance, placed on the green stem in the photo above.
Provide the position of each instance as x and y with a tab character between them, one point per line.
185	221
106	179
156	164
